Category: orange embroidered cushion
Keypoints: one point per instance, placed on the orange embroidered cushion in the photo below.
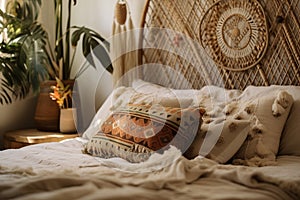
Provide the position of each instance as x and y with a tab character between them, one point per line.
136	131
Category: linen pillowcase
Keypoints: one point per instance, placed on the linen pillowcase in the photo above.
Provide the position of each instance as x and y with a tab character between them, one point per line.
258	119
147	88
214	93
219	140
221	135
136	131
289	143
128	95
268	115
290	137
183	96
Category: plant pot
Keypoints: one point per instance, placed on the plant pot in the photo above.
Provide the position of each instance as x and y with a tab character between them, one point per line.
67	120
47	111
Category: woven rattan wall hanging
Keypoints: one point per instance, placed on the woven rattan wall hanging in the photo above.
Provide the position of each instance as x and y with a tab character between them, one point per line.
234	33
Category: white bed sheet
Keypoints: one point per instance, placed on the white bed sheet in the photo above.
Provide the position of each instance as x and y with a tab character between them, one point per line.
62	171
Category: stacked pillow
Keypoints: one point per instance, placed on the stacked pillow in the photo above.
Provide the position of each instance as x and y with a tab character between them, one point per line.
244	126
220	136
258	113
142	122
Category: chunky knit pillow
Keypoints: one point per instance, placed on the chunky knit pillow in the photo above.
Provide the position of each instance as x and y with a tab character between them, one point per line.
136	131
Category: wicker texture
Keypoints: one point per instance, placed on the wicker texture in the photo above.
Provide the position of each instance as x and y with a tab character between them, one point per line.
186	54
234	33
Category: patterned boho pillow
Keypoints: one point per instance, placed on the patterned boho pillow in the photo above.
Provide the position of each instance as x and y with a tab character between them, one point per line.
136	131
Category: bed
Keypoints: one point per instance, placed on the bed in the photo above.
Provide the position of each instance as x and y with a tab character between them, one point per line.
211	111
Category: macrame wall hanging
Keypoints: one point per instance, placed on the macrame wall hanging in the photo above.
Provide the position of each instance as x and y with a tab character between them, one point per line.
234	33
123	48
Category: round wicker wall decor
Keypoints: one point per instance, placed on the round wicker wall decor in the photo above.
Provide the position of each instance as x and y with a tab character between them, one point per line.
234	33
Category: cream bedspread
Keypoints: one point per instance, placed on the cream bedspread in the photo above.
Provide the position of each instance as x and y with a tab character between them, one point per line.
62	171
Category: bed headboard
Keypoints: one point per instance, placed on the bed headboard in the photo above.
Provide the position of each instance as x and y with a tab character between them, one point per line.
228	43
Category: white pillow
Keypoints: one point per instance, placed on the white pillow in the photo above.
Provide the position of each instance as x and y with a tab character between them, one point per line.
214	93
149	88
146	87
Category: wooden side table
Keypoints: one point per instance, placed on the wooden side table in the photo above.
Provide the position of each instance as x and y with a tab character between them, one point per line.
20	138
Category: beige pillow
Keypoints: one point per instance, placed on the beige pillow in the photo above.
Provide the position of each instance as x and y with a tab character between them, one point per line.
219	140
221	135
268	115
260	119
289	142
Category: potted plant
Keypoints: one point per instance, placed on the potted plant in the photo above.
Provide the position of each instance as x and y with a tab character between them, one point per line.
62	95
63	57
21	34
29	58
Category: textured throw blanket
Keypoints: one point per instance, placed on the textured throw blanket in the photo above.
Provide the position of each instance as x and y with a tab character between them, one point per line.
62	171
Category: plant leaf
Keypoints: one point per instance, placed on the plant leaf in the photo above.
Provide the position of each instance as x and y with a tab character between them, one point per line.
86	49
76	36
102	55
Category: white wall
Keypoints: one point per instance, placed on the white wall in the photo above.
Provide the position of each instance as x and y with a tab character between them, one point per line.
17	115
96	14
